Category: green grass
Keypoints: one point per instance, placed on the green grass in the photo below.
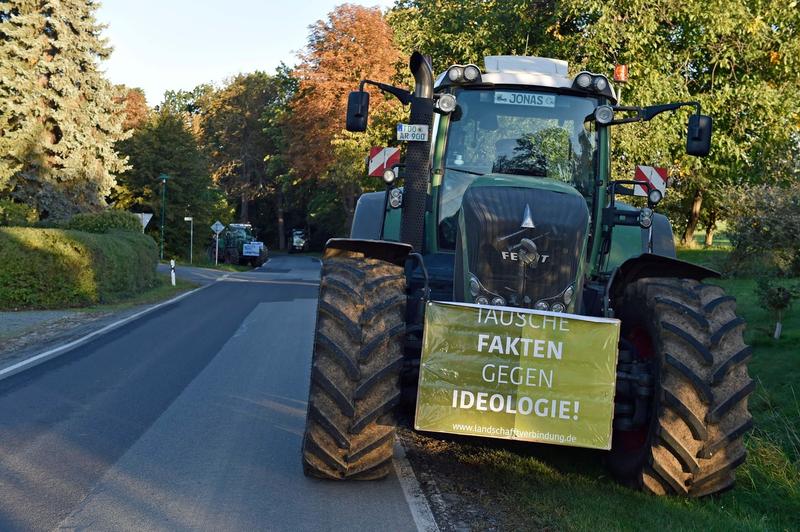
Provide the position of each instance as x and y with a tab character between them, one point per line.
162	291
537	487
211	266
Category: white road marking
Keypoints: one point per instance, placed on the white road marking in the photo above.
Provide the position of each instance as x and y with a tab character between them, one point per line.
44	356
415	498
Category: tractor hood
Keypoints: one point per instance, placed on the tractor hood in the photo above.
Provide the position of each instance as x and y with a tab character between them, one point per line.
521	243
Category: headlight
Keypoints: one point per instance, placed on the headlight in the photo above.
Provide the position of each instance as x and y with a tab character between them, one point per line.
498	301
471	73
446	103
646	217
655	196
389	176
481	300
568	293
600	83
604	114
474	287
455	73
583	80
541	305
558	307
396	198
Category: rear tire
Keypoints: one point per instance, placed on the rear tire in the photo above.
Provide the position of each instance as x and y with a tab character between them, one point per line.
694	441
355	374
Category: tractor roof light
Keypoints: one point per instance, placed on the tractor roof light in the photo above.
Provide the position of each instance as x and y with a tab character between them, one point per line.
600	83
464	74
455	74
604	114
583	80
472	73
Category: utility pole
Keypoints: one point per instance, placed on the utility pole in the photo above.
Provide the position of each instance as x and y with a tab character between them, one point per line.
191	236
163	178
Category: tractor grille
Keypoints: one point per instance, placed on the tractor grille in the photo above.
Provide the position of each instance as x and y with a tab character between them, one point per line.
497	219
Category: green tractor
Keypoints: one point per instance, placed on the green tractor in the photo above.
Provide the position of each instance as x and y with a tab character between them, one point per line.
238	245
507	203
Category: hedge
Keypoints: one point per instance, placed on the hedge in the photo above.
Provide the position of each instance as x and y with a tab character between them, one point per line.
59	268
104	221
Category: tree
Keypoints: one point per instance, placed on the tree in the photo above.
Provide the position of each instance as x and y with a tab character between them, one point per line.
354	43
134	106
164	145
234	138
58	119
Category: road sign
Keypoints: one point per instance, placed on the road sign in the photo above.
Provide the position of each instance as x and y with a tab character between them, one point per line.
656	176
412	132
252	249
382	159
144	218
217	227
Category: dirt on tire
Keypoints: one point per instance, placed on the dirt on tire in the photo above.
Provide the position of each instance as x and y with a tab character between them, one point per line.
355	374
699	414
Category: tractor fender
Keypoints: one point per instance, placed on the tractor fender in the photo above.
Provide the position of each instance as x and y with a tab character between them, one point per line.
651	265
393	252
369	215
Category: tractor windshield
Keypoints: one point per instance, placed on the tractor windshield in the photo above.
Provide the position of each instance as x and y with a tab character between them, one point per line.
519	132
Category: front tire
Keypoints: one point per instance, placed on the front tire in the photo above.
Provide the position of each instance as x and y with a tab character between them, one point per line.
694	440
355	374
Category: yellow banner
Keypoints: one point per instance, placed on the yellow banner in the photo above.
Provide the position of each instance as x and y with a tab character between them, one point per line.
518	374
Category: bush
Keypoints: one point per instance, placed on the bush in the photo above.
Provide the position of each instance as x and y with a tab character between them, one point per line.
56	268
765	231
105	221
17	214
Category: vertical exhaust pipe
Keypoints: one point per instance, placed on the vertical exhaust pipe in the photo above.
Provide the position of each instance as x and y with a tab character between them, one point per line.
418	163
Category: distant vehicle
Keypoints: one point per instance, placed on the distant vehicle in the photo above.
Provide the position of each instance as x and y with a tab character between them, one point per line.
238	245
298	242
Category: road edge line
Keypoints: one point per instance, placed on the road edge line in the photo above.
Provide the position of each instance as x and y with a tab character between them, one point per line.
54	352
415	497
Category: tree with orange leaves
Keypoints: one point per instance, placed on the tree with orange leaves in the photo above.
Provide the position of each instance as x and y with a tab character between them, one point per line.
354	43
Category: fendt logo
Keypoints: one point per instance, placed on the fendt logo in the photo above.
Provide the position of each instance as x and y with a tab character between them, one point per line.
513	255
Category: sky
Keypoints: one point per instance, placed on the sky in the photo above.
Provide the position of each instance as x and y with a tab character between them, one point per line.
164	45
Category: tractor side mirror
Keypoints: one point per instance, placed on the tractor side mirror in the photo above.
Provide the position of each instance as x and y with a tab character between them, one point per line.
357	111
698	138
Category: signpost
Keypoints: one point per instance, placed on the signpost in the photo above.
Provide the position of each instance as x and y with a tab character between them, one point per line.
518	374
217	228
144	217
163	178
191	236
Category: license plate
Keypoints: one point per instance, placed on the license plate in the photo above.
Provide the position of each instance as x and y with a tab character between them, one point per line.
412	132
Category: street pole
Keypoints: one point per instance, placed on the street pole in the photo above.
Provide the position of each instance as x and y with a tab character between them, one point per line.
216	255
163	178
191	236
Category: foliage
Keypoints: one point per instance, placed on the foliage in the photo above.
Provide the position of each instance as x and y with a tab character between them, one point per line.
58	118
164	145
765	230
234	138
134	107
354	43
53	268
13	213
105	221
776	297
739	59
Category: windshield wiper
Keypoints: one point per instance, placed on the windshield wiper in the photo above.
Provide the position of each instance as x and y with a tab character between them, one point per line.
463	171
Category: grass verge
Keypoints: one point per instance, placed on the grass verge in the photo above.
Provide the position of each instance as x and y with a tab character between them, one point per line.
162	291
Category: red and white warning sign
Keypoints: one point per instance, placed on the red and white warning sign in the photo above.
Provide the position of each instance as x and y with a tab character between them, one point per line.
381	159
654	175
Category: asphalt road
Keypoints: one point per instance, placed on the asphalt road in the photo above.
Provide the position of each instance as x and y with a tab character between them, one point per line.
188	418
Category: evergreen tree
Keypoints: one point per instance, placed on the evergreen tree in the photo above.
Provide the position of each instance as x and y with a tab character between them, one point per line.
58	118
